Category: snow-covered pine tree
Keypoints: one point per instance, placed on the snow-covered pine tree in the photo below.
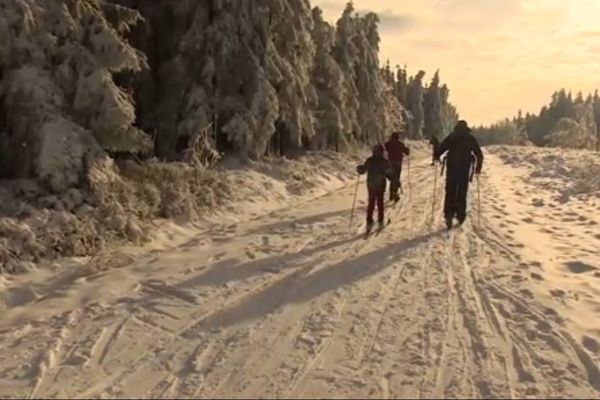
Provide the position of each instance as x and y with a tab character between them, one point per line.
331	126
432	103
60	105
415	105
449	112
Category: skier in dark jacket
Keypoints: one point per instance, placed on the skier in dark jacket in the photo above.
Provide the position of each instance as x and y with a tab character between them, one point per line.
378	169
435	144
462	150
396	150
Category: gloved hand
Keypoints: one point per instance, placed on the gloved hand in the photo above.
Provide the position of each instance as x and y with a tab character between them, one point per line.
361	169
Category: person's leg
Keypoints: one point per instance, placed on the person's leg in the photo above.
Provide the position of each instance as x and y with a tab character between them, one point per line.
399	181
461	198
394	183
371	207
450	200
380	207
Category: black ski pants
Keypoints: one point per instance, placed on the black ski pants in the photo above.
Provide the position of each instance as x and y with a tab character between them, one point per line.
395	181
376	198
457	187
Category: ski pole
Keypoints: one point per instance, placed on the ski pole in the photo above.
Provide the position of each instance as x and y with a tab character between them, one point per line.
478	203
354	201
434	193
409	185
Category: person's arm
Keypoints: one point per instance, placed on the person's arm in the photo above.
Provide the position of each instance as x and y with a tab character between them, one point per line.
362	169
405	149
442	148
476	149
387	146
388	171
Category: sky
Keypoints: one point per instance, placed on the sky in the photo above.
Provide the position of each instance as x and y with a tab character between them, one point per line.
497	56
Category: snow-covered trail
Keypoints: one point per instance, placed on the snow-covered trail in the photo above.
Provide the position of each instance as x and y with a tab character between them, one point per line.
296	304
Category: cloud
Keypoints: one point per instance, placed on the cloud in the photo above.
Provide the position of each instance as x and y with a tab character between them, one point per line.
390	22
330	6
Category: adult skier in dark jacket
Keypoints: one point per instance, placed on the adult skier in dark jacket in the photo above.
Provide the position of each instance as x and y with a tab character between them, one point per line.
378	169
396	150
462	150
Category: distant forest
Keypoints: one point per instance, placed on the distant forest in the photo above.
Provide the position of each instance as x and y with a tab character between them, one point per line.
567	121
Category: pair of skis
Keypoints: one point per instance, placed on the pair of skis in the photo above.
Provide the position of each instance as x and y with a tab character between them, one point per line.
380	228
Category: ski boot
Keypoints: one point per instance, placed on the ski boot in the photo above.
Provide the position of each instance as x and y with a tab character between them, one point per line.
381	225
369	229
449	221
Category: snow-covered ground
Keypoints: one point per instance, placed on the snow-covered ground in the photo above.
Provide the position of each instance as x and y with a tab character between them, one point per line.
294	303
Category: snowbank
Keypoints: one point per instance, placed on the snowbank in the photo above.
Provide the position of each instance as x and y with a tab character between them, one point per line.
567	172
127	198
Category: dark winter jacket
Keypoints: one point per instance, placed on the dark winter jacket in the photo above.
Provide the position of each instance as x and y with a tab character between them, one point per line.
396	150
461	147
377	169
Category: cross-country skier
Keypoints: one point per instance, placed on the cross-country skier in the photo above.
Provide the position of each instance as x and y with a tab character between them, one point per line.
462	150
396	150
378	169
435	144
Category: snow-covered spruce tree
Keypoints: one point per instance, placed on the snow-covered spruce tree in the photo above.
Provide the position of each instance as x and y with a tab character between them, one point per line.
373	112
388	75
432	102
346	54
415	105
402	85
596	107
332	125
59	105
396	115
292	56
449	113
367	102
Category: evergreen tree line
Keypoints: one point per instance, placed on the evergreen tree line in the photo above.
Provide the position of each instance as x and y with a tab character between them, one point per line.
297	81
81	78
567	121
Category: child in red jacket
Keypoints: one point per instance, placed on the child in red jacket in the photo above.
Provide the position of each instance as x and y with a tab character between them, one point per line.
396	150
378	169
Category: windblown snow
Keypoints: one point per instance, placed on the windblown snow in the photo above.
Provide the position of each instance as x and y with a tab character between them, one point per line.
294	303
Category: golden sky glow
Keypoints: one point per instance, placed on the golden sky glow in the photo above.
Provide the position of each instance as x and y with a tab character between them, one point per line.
495	55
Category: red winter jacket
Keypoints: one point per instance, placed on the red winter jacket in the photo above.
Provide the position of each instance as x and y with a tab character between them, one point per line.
396	151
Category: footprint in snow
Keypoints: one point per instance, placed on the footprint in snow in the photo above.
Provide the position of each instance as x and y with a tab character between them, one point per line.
590	344
537	277
578	267
526	293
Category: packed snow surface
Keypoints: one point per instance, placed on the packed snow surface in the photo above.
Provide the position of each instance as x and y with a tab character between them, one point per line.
295	303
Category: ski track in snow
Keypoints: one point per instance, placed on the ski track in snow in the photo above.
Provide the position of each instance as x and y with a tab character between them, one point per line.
297	304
